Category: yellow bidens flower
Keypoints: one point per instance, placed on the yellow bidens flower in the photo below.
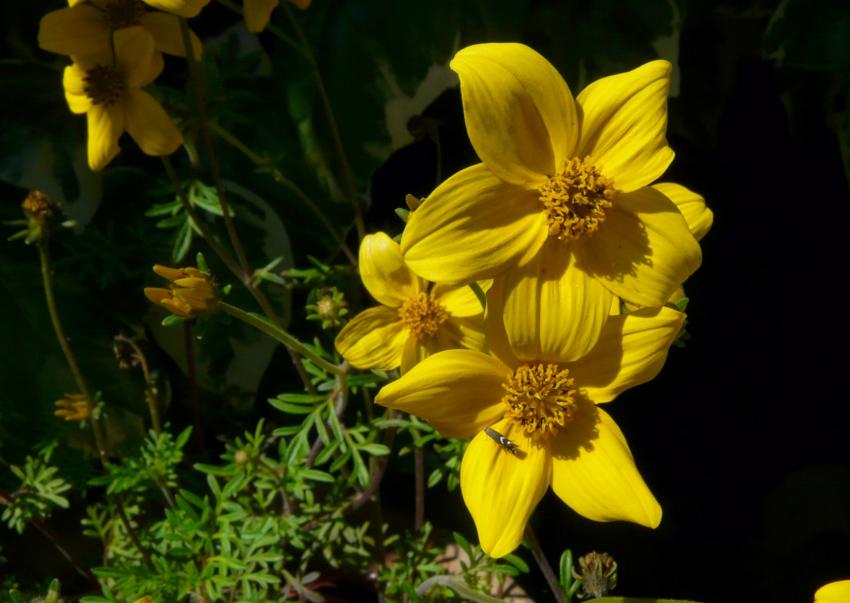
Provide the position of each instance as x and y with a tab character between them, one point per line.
534	420
834	592
413	322
561	196
258	12
110	94
191	292
73	407
86	28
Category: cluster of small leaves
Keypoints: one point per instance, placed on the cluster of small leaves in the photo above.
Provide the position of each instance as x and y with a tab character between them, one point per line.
448	451
51	596
40	490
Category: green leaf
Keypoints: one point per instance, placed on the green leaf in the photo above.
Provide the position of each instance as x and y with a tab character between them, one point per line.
292	409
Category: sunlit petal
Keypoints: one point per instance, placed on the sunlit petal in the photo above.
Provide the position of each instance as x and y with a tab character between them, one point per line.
834	592
384	273
692	206
374	339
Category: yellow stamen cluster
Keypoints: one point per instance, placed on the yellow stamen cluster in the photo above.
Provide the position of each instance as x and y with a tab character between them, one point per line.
541	398
422	316
191	292
104	85
576	199
124	13
73	407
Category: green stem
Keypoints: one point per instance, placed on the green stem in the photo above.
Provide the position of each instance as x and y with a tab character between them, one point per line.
273	330
71	359
348	177
288	184
150	389
543	564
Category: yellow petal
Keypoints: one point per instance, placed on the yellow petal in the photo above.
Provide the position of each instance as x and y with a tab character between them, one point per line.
257	13
631	350
184	8
384	273
501	489
472	227
692	206
373	339
458	300
624	125
157	294
77	30
520	114
105	126
72	81
594	473
412	354
552	310
834	592
136	56
166	272
165	29
149	124
458	391
494	325
643	251
459	332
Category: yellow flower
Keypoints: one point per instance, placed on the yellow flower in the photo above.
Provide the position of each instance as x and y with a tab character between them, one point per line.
534	420
191	292
258	12
110	94
834	592
73	407
413	321
86	28
561	195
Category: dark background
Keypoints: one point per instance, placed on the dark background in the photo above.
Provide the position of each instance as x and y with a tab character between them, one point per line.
743	438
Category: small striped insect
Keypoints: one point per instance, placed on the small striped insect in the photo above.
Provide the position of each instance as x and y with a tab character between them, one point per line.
502	441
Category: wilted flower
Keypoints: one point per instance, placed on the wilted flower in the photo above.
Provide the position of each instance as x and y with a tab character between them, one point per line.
598	573
258	12
111	95
73	407
413	321
191	291
86	28
534	417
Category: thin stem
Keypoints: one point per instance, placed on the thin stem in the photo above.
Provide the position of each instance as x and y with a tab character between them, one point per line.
543	564
419	478
48	533
341	391
150	389
192	374
282	336
347	175
71	359
288	184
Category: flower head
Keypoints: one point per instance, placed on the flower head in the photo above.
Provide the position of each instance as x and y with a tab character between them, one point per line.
561	199
413	320
532	413
191	291
110	94
73	407
86	28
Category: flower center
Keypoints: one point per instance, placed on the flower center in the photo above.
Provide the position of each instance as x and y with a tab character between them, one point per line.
541	398
104	85
124	13
422	316
576	199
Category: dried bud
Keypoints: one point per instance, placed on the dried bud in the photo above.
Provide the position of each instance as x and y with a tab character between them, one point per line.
124	352
38	207
73	407
191	292
598	573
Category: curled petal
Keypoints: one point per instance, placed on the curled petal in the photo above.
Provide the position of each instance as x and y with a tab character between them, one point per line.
374	339
643	251
631	350
552	310
624	125
594	473
472	227
692	206
501	489
384	273
457	391
519	112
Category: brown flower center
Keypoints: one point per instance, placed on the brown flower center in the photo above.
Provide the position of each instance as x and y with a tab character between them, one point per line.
576	199
422	316
124	13
104	85
541	398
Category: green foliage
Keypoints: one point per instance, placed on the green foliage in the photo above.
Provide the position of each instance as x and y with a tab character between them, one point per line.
39	491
